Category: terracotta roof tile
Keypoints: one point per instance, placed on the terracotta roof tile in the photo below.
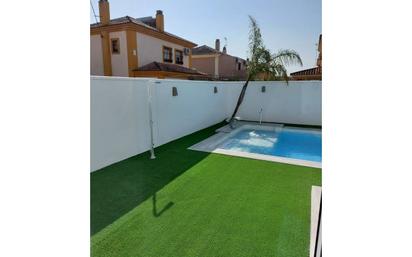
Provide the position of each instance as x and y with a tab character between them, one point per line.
147	22
312	71
169	67
204	49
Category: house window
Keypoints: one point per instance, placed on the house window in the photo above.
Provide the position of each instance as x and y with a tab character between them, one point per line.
115	46
239	65
178	56
167	54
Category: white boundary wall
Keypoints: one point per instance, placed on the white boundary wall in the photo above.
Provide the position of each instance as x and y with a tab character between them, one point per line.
298	102
119	120
196	107
120	114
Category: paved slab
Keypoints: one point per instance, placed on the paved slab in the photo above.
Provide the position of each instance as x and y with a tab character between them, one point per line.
314	215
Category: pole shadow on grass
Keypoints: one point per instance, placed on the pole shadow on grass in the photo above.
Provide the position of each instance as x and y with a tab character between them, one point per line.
155	212
120	187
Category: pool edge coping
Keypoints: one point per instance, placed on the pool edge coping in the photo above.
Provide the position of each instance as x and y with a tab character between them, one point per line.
264	157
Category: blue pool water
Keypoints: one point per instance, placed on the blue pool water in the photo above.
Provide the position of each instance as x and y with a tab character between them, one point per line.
290	143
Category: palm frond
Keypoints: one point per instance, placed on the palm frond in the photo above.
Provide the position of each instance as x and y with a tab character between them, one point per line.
255	36
262	62
287	57
281	72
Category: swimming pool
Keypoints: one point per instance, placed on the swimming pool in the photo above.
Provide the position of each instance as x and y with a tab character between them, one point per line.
269	142
287	142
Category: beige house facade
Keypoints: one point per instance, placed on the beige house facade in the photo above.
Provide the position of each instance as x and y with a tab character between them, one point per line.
218	64
122	46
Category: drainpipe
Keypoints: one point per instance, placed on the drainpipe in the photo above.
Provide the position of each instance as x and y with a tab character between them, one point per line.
149	94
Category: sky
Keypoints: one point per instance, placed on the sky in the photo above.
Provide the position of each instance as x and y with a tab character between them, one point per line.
286	24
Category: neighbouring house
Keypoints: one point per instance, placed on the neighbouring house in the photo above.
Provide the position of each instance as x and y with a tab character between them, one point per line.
218	64
313	73
138	47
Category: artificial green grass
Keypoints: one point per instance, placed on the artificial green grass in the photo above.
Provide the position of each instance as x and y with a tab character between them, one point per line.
188	203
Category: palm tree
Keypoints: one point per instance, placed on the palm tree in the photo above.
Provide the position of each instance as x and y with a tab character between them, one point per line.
263	62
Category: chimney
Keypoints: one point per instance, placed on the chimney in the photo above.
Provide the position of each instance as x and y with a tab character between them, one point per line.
104	11
224	50
217	45
160	24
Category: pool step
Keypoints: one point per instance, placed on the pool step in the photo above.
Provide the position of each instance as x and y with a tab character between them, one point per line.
210	143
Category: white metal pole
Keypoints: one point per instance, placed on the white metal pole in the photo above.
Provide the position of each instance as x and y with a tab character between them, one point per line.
149	94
